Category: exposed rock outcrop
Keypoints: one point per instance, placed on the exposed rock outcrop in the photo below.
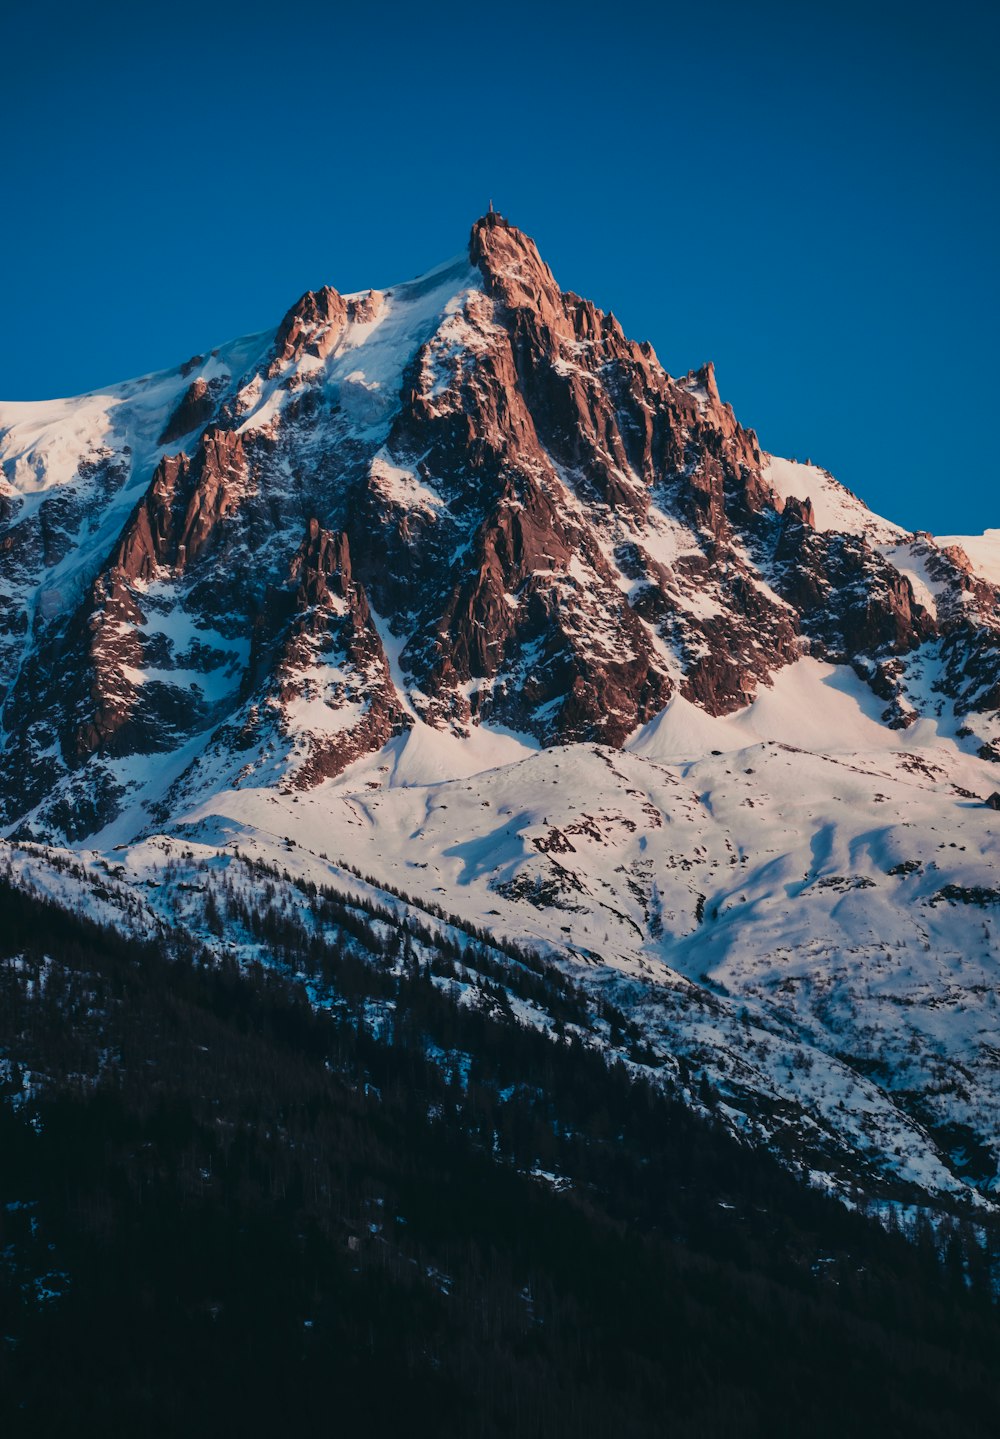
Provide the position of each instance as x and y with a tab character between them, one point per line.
195	409
181	511
315	323
332	666
558	535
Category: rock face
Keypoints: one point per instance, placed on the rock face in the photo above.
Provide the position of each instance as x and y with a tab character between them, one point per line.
330	657
316	323
182	509
195	409
455	583
544	529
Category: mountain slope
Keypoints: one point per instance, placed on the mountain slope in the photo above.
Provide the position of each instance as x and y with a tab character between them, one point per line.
417	1215
455	584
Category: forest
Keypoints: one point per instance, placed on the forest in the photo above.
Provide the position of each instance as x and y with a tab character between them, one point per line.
229	1207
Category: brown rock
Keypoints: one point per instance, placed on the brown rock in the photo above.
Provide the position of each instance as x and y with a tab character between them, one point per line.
333	651
316	321
195	409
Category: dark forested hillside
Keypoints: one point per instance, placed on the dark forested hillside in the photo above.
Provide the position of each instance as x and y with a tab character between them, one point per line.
228	1209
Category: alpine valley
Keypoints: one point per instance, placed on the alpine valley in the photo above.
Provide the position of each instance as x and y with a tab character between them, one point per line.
441	629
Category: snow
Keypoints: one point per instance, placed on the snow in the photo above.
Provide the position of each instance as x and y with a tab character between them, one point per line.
834	507
363	372
374	354
401	486
911	560
770	894
812	944
394	645
983	550
425	755
809	705
685	731
452	350
665	539
311	714
45	444
213	685
821	707
763	912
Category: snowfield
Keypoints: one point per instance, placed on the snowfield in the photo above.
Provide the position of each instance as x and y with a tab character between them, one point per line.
812	930
983	550
796	898
834	506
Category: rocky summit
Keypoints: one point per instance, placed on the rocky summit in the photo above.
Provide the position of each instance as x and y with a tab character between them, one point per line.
449	596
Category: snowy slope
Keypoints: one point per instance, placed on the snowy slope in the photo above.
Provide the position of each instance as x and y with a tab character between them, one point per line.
95	454
813	929
835	507
983	550
453	585
813	932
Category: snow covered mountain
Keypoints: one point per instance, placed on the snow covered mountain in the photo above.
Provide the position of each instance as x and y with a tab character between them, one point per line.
451	594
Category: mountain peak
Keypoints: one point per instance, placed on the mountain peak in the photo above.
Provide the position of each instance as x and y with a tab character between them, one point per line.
510	264
467	530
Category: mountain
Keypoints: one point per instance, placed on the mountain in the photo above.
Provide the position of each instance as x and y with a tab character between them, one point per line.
224	1208
449	599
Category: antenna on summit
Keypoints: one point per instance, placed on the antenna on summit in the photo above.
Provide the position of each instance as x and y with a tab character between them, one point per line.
491	207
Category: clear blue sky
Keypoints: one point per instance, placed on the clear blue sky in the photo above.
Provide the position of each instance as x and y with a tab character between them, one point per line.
806	194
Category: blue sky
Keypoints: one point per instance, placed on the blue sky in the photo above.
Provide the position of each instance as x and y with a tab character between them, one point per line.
806	194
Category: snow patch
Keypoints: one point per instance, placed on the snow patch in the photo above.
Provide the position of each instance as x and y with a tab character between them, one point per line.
834	506
983	551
